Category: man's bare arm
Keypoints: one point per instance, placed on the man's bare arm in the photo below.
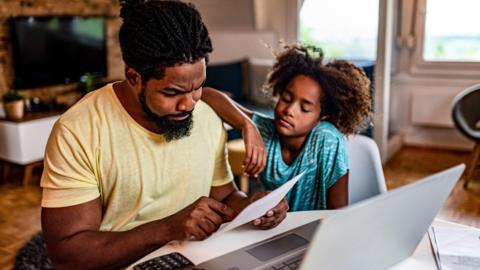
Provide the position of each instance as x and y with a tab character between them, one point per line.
74	241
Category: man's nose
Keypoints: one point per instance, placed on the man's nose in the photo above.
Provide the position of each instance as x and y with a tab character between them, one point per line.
186	102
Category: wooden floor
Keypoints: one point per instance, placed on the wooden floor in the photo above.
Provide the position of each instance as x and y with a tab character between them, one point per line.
410	164
20	210
19	216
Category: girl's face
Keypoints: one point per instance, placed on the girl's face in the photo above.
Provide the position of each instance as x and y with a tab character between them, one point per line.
298	110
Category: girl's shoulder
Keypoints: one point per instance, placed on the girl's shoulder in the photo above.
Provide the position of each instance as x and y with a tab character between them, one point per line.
265	124
326	130
262	118
327	142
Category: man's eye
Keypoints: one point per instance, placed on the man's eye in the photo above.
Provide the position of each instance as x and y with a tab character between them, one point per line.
169	94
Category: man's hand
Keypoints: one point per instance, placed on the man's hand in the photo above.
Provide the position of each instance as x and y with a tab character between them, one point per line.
199	220
274	216
255	153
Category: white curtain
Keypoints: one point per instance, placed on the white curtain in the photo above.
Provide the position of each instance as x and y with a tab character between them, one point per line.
279	16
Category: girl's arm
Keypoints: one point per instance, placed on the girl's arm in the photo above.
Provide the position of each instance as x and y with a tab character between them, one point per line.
239	118
337	195
231	112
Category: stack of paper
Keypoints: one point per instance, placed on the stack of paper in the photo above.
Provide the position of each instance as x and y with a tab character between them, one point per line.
456	248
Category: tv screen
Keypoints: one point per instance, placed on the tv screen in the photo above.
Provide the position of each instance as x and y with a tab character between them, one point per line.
57	50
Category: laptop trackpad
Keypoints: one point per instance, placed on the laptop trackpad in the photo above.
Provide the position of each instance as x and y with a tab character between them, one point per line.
269	251
277	247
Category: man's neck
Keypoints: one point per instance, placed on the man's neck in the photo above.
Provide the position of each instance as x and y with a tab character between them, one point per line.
130	102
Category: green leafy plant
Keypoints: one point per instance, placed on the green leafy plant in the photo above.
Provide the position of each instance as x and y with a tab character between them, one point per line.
12	95
87	82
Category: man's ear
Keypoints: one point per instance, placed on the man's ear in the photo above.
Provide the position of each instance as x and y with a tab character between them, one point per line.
134	78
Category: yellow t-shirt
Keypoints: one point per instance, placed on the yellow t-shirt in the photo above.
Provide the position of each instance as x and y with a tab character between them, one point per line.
96	149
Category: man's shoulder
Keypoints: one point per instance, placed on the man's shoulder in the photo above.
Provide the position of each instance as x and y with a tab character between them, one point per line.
207	123
205	113
87	108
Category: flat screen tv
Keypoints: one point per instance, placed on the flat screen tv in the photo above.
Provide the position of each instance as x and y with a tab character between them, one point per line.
57	50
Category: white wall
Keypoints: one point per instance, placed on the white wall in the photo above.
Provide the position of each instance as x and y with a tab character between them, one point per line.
277	17
220	15
421	111
420	106
233	27
229	46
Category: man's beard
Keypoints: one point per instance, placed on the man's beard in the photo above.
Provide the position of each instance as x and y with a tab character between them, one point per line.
173	129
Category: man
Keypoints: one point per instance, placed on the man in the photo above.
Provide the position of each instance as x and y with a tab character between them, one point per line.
142	162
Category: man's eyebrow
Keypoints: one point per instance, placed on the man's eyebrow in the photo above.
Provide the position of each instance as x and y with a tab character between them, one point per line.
176	90
183	91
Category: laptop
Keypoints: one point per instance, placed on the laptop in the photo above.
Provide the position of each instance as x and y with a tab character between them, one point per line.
373	234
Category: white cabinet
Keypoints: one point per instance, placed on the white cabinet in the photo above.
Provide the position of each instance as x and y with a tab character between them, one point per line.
24	142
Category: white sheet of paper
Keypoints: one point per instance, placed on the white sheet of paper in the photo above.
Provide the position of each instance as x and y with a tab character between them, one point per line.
458	248
260	207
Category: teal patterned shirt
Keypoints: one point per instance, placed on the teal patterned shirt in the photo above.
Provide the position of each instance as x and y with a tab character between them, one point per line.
323	157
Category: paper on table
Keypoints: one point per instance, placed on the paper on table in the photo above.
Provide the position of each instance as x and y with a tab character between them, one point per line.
259	207
458	248
433	242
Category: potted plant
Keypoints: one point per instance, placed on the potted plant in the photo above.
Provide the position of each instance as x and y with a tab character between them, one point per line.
88	82
13	104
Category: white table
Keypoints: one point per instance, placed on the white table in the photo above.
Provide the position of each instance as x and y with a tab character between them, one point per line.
23	141
216	245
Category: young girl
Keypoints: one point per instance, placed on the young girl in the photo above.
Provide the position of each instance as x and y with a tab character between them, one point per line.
317	104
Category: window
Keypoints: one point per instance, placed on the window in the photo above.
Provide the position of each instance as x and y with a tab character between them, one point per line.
452	31
447	35
340	29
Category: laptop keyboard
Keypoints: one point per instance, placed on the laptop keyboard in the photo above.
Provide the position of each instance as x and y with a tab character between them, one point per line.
292	263
172	261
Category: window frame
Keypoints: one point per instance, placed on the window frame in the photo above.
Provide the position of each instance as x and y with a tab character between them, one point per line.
419	66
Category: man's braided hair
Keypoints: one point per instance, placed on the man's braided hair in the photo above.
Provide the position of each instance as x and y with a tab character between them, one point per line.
158	34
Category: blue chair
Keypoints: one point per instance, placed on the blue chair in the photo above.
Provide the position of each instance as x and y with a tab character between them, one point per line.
466	116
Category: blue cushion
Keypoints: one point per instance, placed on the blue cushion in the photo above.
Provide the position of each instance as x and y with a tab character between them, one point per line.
229	78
